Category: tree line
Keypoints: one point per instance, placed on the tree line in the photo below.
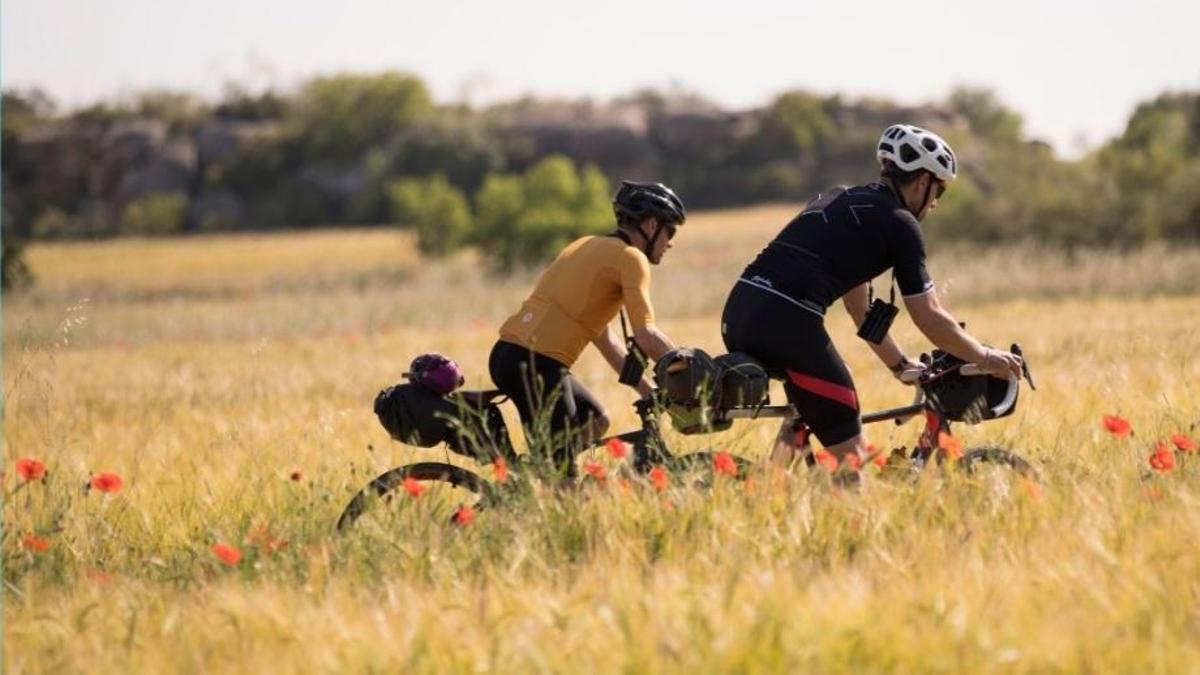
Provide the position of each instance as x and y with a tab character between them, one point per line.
518	178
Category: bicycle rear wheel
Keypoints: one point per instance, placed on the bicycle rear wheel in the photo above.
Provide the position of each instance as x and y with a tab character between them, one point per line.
437	488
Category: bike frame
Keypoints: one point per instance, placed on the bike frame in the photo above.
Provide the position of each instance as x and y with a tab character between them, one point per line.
650	448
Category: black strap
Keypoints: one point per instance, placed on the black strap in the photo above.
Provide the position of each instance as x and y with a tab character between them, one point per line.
631	345
625	330
891	290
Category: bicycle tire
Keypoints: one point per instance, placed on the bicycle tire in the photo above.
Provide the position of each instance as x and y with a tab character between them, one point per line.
974	458
386	483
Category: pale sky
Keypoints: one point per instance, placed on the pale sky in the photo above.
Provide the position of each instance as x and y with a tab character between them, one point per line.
1073	69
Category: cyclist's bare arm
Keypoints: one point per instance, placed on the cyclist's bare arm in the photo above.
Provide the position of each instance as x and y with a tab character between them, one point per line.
856	305
943	330
652	341
613	350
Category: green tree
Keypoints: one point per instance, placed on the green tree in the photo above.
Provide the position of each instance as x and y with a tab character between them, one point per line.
340	117
436	209
157	213
498	204
526	219
987	116
14	273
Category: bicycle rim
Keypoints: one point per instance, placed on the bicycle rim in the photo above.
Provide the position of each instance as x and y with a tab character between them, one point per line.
436	490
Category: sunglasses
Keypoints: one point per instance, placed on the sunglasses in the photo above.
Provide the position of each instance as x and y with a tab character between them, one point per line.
941	189
672	228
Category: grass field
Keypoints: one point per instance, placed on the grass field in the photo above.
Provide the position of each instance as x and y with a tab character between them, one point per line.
228	382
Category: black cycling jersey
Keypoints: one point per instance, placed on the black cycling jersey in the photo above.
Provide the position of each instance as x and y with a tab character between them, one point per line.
843	238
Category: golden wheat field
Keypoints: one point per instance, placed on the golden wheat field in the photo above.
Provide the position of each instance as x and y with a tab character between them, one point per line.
227	382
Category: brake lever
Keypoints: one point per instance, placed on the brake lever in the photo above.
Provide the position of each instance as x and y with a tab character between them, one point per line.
1016	349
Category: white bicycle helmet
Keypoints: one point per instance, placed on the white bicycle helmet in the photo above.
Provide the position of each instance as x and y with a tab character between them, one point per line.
912	148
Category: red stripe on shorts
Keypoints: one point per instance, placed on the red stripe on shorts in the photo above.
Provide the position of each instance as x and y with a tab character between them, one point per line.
830	390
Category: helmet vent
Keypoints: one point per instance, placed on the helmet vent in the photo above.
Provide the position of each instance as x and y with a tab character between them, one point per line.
942	160
908	154
887	147
929	144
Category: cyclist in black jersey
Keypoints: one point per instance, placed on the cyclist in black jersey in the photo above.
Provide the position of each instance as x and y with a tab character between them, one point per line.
843	239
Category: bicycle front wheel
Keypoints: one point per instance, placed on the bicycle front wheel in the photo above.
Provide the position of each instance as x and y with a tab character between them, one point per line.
439	490
985	461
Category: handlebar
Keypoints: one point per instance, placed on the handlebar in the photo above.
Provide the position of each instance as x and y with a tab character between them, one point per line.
926	375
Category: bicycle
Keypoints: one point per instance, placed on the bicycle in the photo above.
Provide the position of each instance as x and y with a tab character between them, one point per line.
947	390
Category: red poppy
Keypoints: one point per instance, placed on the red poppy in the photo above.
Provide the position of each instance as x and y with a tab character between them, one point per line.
854	461
1032	488
30	469
465	515
826	459
99	576
617	448
230	555
658	478
35	543
296	476
1183	443
596	470
261	537
950	445
1117	426
877	456
106	482
1163	458
413	487
500	470
723	463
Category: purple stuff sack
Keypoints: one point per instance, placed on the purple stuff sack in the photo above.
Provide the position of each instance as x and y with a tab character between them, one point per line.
436	373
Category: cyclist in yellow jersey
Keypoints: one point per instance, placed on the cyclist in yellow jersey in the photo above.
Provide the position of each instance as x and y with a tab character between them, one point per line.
572	305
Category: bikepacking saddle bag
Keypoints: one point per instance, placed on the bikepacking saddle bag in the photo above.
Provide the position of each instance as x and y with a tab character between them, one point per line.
469	423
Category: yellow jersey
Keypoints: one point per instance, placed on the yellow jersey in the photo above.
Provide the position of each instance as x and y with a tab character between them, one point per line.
578	294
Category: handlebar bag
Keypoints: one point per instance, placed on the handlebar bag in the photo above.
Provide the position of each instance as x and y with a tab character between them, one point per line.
969	398
696	419
688	376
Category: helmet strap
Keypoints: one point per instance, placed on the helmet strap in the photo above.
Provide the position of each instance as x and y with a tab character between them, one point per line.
903	202
651	240
928	192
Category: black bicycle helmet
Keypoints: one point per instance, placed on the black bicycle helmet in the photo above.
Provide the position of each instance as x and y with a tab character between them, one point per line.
637	201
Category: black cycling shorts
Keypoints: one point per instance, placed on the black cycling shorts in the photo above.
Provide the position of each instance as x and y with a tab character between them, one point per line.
792	339
548	398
